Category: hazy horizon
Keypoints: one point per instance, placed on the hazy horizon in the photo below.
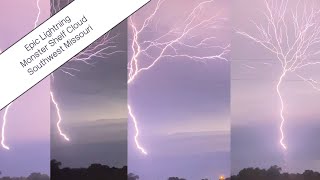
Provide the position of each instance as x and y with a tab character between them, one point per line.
181	105
255	104
27	130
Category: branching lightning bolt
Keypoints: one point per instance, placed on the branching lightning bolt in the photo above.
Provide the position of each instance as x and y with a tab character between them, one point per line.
59	117
174	43
293	36
7	108
102	48
137	131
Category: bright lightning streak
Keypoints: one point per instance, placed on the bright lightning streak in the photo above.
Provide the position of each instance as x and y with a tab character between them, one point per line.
170	45
4	127
174	43
315	84
248	66
39	13
293	37
281	110
59	117
102	48
137	131
4	121
7	108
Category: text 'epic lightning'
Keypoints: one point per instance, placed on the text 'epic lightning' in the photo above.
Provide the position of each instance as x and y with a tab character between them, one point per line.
7	108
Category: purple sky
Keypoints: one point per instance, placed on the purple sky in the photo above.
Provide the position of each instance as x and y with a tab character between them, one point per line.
182	107
255	104
94	112
93	105
28	120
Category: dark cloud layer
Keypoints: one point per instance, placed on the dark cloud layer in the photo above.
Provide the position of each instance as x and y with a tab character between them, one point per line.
93	105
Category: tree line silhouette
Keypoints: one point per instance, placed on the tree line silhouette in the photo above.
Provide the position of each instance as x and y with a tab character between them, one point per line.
93	172
132	176
32	176
274	173
103	172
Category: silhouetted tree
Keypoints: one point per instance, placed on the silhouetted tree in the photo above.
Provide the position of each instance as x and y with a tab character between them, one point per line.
175	178
311	175
32	176
93	172
273	173
132	176
55	164
38	176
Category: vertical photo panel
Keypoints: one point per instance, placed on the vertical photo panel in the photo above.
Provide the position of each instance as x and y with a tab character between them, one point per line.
25	123
274	89
89	109
178	86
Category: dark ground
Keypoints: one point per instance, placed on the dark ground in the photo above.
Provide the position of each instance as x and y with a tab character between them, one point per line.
93	172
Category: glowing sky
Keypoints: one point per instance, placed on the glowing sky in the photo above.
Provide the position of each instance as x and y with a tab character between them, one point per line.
93	106
182	107
255	104
28	120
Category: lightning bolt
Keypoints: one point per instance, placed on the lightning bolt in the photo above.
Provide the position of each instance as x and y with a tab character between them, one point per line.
4	127
295	49
103	48
172	43
281	110
38	15
313	83
137	131
248	66
59	117
7	108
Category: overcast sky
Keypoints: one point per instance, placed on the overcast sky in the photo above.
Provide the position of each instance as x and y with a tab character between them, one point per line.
28	126
93	105
182	106
256	106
